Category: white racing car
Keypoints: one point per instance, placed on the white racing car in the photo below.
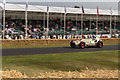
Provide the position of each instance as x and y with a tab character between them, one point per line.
82	43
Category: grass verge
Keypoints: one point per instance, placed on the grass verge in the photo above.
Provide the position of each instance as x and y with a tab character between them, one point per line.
75	61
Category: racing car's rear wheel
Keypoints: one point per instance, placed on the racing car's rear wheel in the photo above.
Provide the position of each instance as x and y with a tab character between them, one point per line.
82	45
72	44
100	44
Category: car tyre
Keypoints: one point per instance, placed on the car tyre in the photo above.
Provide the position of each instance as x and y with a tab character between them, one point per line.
72	44
100	44
82	45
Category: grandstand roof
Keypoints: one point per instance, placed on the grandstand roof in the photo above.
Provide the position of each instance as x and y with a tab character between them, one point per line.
37	8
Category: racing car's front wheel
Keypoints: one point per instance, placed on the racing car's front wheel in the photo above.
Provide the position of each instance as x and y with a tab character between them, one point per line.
82	45
72	44
100	44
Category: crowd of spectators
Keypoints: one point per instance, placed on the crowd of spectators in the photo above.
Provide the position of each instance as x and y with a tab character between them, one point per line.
15	29
69	36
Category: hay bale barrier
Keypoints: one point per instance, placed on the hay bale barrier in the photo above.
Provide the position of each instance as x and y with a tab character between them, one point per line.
39	42
34	42
60	74
111	40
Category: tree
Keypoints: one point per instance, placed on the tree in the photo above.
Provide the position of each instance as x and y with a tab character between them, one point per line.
76	7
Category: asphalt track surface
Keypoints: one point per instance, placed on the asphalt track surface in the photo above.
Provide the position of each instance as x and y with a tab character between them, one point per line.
32	51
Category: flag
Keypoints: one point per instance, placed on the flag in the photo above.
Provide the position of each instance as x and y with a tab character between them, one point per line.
83	9
98	11
26	5
111	11
65	11
47	11
4	2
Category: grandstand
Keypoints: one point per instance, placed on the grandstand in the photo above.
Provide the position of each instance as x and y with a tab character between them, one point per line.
58	23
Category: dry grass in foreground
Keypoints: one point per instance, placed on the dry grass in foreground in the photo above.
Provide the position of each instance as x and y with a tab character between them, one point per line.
60	74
